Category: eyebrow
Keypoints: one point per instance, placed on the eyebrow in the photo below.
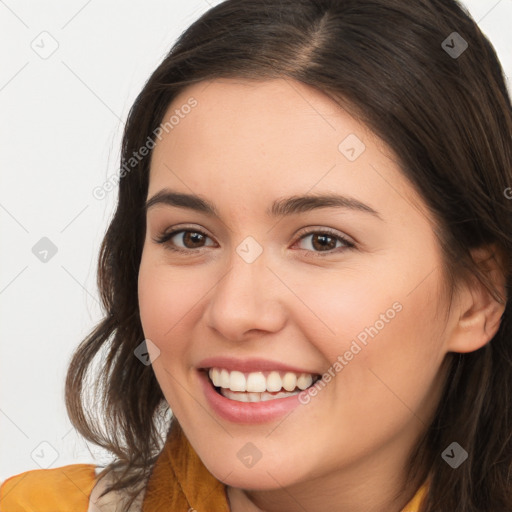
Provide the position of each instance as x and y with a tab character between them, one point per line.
280	208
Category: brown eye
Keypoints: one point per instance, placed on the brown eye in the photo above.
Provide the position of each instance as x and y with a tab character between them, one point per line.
325	242
190	240
320	241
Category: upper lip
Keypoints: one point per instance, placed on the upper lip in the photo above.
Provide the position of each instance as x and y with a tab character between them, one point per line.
249	365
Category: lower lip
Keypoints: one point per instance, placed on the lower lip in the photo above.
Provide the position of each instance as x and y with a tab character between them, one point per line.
246	412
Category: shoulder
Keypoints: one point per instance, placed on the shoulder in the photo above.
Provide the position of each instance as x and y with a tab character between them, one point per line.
49	490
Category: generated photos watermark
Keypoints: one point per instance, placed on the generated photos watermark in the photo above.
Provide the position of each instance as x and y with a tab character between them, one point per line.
355	348
100	192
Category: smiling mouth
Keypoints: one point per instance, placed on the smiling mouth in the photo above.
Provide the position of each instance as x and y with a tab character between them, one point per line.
259	386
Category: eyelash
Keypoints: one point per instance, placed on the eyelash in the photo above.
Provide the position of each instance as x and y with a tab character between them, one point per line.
164	238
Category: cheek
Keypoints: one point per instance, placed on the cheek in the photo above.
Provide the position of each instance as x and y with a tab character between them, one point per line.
340	307
170	301
155	300
166	305
163	300
374	332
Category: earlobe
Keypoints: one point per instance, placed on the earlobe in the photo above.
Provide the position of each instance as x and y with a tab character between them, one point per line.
479	311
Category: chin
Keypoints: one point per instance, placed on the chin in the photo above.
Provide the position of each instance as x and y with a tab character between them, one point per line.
247	480
260	477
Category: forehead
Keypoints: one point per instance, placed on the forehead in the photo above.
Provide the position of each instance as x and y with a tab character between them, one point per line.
259	115
271	138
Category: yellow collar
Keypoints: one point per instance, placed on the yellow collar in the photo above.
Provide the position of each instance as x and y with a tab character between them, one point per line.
180	480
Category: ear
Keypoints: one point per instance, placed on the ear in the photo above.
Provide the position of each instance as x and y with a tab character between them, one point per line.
479	312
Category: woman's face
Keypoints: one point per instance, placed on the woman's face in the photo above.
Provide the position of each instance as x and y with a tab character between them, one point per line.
261	286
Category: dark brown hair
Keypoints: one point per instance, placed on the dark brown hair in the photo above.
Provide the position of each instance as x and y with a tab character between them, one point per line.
447	118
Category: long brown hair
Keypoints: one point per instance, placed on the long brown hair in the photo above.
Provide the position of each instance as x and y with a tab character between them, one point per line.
448	118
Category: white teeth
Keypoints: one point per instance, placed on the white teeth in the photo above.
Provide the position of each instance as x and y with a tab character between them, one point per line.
256	383
237	381
214	375
224	379
252	397
255	397
289	381
274	382
304	381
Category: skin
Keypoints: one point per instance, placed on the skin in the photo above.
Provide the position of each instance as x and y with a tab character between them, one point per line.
244	145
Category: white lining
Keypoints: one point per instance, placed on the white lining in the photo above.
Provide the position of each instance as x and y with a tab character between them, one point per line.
112	501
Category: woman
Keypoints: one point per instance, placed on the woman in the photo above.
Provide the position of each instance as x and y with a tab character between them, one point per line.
309	264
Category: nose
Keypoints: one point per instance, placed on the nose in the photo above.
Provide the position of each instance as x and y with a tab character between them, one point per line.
247	301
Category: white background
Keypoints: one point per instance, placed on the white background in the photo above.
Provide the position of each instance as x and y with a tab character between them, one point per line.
61	123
